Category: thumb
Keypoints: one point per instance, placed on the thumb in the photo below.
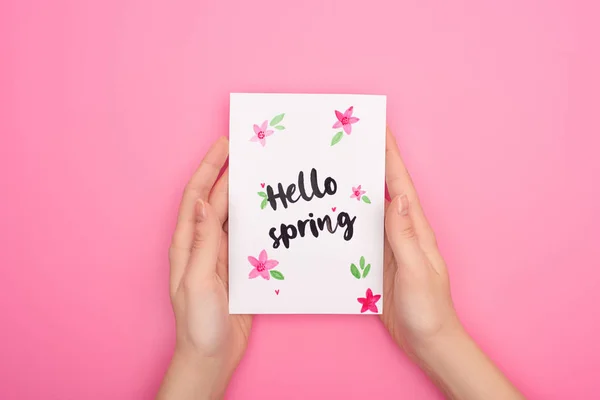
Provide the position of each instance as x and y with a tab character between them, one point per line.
401	233
207	239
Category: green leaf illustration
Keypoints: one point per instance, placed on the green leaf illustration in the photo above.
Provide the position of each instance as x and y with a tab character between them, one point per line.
354	271
366	200
277	119
362	262
337	137
280	127
276	274
366	271
263	204
262	194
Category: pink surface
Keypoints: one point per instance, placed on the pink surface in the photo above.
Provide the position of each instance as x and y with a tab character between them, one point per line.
106	107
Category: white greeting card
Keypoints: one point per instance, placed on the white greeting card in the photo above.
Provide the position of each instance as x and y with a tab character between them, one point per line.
306	203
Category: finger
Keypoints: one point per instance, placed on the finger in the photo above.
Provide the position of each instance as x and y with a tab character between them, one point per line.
203	178
402	236
205	249
222	266
219	200
399	183
178	258
389	270
199	187
219	197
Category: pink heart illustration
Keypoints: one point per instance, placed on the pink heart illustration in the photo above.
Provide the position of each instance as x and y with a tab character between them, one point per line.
277	291
333	209
262	185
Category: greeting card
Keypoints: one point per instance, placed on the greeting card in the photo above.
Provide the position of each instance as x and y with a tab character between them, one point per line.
306	203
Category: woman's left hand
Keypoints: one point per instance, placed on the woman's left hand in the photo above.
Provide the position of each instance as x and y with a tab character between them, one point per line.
210	342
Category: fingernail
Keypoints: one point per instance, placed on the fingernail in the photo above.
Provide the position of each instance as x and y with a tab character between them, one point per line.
200	210
403	205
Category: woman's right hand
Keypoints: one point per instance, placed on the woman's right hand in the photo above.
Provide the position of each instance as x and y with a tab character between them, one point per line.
419	313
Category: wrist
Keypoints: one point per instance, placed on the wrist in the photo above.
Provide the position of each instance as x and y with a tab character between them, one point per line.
210	372
430	349
191	375
457	365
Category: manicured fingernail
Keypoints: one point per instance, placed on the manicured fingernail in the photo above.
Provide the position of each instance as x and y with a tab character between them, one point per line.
403	205
200	210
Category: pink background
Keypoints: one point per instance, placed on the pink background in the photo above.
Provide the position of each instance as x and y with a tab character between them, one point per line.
106	108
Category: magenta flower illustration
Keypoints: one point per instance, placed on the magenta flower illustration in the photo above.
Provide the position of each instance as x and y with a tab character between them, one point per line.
260	133
264	267
358	194
345	120
369	302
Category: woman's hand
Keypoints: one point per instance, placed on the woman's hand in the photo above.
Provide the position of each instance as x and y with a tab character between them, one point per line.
419	313
416	285
210	342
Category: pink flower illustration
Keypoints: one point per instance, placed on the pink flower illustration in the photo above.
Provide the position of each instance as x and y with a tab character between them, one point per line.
357	193
260	133
368	303
261	266
345	120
